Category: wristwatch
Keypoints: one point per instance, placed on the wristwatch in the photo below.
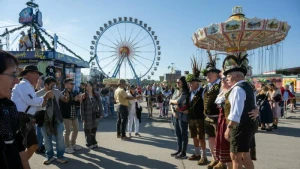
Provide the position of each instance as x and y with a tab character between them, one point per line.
229	126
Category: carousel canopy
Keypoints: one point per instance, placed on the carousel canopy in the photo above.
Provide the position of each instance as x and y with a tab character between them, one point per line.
239	33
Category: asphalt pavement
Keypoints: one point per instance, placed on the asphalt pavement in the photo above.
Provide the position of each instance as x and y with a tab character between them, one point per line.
279	149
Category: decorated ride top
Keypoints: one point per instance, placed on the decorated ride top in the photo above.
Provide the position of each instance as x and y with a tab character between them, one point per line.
239	33
27	16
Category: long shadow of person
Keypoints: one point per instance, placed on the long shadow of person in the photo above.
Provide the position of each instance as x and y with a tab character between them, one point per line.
136	160
97	161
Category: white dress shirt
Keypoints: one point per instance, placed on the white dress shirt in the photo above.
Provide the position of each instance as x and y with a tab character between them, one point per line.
24	95
193	93
236	98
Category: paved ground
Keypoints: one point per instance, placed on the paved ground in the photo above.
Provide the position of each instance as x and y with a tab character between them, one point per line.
279	149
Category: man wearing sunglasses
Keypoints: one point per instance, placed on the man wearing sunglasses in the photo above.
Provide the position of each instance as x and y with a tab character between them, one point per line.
68	111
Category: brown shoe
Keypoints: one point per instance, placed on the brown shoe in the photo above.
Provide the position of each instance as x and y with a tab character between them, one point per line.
212	164
125	138
202	161
118	136
220	165
194	157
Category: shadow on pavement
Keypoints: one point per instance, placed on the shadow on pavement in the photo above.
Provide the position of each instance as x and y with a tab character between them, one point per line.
136	161
96	161
284	131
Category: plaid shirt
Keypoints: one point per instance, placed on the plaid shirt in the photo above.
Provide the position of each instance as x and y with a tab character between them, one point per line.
73	112
73	107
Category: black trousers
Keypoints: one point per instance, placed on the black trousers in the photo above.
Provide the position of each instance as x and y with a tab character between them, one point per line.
10	158
122	120
90	136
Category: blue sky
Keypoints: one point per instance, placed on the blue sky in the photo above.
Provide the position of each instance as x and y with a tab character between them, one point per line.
174	22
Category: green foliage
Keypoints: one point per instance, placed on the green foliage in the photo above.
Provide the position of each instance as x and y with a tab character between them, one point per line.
204	71
189	77
42	37
13	30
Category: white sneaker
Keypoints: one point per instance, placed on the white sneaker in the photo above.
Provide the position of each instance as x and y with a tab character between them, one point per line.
95	146
90	147
69	150
76	147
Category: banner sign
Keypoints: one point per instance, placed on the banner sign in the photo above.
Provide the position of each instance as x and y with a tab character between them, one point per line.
49	55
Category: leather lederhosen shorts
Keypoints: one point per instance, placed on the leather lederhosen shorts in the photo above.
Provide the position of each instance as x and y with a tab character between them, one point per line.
27	129
196	128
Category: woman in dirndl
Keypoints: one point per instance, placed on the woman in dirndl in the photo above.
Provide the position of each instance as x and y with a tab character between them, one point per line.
222	146
265	111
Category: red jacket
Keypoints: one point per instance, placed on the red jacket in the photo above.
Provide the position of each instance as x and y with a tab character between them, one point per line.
282	91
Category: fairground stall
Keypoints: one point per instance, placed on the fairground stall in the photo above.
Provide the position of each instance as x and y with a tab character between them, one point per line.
52	63
34	47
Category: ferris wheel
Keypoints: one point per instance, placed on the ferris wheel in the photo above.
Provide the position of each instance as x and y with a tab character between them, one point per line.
126	48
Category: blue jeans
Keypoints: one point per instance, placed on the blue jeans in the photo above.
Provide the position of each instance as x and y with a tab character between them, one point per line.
39	136
105	107
59	139
181	130
112	108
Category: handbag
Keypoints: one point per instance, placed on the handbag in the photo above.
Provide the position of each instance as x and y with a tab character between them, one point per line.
39	117
281	103
277	98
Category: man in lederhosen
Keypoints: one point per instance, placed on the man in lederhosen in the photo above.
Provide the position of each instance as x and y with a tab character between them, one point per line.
211	111
241	127
195	114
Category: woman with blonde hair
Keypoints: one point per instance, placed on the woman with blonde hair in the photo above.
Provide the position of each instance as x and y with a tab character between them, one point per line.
133	108
274	99
222	146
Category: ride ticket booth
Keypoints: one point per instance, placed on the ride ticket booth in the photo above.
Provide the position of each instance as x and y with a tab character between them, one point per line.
52	63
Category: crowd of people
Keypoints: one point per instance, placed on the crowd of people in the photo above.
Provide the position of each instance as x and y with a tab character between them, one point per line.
217	111
35	113
31	118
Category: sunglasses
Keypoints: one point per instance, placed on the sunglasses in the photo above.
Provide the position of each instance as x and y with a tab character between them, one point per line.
177	82
72	83
223	78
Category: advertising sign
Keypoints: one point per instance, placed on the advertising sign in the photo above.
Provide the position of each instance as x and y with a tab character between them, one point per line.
26	16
